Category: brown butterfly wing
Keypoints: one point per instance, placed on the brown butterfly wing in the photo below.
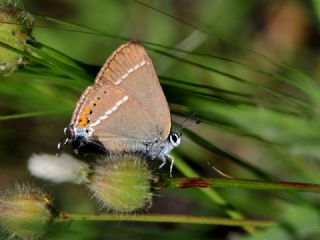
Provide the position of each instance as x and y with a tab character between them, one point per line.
115	118
131	69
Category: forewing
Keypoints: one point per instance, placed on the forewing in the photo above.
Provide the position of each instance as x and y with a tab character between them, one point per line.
111	115
131	69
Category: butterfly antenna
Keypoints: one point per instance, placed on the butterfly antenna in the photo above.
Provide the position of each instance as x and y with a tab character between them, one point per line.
186	123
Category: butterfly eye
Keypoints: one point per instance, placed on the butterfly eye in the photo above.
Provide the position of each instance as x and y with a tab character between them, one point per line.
175	139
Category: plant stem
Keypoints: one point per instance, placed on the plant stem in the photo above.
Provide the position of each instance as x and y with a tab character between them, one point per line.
212	194
237	183
163	218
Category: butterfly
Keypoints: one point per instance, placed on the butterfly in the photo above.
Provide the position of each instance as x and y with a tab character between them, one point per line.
124	111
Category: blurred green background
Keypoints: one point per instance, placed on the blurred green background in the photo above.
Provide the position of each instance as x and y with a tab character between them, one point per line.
258	102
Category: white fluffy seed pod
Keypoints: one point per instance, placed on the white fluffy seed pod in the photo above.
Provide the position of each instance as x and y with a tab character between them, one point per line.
64	168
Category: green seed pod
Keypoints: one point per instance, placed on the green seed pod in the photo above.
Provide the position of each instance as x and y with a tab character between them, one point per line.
25	212
121	184
15	29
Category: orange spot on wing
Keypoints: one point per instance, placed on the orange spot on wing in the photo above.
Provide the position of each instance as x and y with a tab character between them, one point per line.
83	121
87	111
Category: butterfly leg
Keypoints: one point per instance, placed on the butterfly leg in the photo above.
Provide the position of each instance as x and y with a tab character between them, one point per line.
171	165
164	160
61	145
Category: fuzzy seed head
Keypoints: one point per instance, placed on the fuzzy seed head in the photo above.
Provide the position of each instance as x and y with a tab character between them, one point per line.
121	184
64	168
15	29
25	212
